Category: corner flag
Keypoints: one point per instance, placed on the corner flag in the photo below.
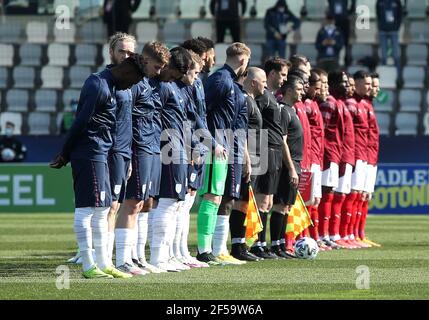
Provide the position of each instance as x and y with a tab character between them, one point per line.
298	217
253	221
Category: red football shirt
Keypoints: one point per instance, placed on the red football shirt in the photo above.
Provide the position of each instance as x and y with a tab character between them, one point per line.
317	132
359	113
333	123
373	134
348	152
306	152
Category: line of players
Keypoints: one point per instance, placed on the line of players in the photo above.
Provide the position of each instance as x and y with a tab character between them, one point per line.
149	135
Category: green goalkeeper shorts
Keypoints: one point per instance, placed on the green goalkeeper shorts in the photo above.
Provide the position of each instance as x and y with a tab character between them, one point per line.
215	177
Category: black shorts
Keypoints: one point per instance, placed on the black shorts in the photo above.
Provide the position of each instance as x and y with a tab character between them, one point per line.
118	171
174	181
244	193
91	183
268	183
286	192
138	184
233	180
155	176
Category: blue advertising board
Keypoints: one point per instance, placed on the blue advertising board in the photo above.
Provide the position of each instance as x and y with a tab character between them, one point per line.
401	189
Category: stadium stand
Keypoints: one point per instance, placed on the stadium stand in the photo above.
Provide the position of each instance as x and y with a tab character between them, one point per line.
43	66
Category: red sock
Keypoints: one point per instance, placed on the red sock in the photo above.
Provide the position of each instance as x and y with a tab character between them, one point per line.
358	218
346	213
289	240
351	227
325	208
314	214
305	233
363	219
337	203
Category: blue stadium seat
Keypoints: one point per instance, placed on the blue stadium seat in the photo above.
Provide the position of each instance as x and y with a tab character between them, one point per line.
39	123
46	100
410	100
23	77
30	54
17	100
383	120
406	123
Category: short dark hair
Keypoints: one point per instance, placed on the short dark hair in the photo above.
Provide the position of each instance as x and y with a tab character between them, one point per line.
207	42
314	77
298	60
181	59
298	73
375	75
320	72
335	77
9	123
195	45
290	83
361	74
276	64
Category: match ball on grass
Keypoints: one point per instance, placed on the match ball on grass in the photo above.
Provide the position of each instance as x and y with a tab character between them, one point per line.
306	248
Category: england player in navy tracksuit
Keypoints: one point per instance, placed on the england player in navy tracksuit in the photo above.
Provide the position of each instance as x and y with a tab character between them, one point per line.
121	45
87	146
137	192
221	114
173	185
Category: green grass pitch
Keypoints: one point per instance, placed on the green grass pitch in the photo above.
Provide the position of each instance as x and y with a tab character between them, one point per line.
32	246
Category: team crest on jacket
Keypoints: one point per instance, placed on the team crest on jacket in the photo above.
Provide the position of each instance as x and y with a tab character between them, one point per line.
178	187
102	195
144	188
192	177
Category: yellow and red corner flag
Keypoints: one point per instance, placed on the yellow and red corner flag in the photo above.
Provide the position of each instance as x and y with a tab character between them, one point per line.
253	221
298	217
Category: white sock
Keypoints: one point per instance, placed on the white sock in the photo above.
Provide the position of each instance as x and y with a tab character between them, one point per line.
185	212
82	229
124	240
110	243
134	255
173	227
142	223
220	236
150	226
99	237
178	230
161	230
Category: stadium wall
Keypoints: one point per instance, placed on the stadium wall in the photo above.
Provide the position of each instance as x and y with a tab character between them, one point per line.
402	180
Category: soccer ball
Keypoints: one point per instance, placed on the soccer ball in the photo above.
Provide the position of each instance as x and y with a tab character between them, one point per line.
7	154
306	248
